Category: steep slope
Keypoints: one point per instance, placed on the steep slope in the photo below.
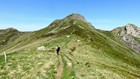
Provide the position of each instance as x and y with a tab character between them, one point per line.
130	34
64	24
86	53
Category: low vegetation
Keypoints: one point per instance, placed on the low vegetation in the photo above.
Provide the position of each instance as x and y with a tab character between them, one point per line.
85	54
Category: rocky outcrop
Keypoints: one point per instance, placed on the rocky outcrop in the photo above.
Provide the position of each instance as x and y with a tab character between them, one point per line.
132	30
130	34
132	43
129	29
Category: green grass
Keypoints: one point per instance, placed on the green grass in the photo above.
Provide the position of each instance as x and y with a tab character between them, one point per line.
98	54
67	72
93	62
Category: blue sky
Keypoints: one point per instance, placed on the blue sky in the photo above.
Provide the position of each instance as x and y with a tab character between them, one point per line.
30	15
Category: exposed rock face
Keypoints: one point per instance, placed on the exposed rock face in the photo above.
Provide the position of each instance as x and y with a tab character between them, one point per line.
130	34
132	43
132	30
129	29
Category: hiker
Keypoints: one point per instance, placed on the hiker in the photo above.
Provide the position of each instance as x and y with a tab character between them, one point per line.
57	49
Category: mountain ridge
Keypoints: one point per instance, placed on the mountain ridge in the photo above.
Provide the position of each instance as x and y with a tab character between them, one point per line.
86	53
128	33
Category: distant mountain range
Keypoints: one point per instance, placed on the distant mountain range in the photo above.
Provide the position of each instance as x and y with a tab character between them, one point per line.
129	33
93	53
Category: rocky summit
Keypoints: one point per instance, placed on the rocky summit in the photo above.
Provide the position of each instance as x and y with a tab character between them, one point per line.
130	34
129	29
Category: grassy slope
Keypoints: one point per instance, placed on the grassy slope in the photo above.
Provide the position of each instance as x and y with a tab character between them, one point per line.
6	37
97	54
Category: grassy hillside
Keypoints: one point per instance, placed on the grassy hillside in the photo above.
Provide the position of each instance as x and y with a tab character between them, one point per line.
86	53
7	35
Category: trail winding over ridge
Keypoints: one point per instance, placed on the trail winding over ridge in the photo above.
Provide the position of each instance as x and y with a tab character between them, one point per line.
65	69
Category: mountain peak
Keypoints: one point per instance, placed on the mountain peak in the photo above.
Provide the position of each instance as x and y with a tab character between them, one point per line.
8	30
13	29
76	17
128	29
129	25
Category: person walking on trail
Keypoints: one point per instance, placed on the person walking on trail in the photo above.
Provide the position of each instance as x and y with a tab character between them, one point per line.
57	49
